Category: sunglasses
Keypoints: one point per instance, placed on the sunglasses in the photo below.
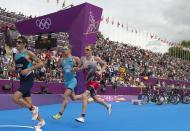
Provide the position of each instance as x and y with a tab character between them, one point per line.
87	49
65	48
19	42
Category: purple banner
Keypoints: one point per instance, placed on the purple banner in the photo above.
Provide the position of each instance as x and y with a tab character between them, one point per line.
58	88
117	98
154	81
47	99
81	22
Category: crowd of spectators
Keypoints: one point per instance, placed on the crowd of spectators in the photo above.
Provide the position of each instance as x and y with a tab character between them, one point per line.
11	17
126	63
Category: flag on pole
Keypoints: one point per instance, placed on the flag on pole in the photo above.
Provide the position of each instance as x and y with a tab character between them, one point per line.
63	5
122	25
107	20
112	22
155	37
151	36
136	31
118	24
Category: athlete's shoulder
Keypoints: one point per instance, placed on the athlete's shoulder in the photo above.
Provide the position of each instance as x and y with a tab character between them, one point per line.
30	53
76	58
97	58
83	57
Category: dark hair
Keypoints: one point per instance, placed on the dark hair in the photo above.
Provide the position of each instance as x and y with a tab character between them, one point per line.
24	39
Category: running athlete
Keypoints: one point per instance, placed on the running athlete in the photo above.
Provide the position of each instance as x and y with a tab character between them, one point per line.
70	65
89	64
23	65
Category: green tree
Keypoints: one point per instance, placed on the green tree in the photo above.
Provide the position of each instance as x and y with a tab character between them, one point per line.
181	50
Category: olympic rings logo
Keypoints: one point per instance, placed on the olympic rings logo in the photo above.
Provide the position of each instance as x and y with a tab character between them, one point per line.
43	23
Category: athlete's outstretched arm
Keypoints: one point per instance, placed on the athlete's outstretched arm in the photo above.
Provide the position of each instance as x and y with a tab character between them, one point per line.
78	64
83	66
102	63
38	64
